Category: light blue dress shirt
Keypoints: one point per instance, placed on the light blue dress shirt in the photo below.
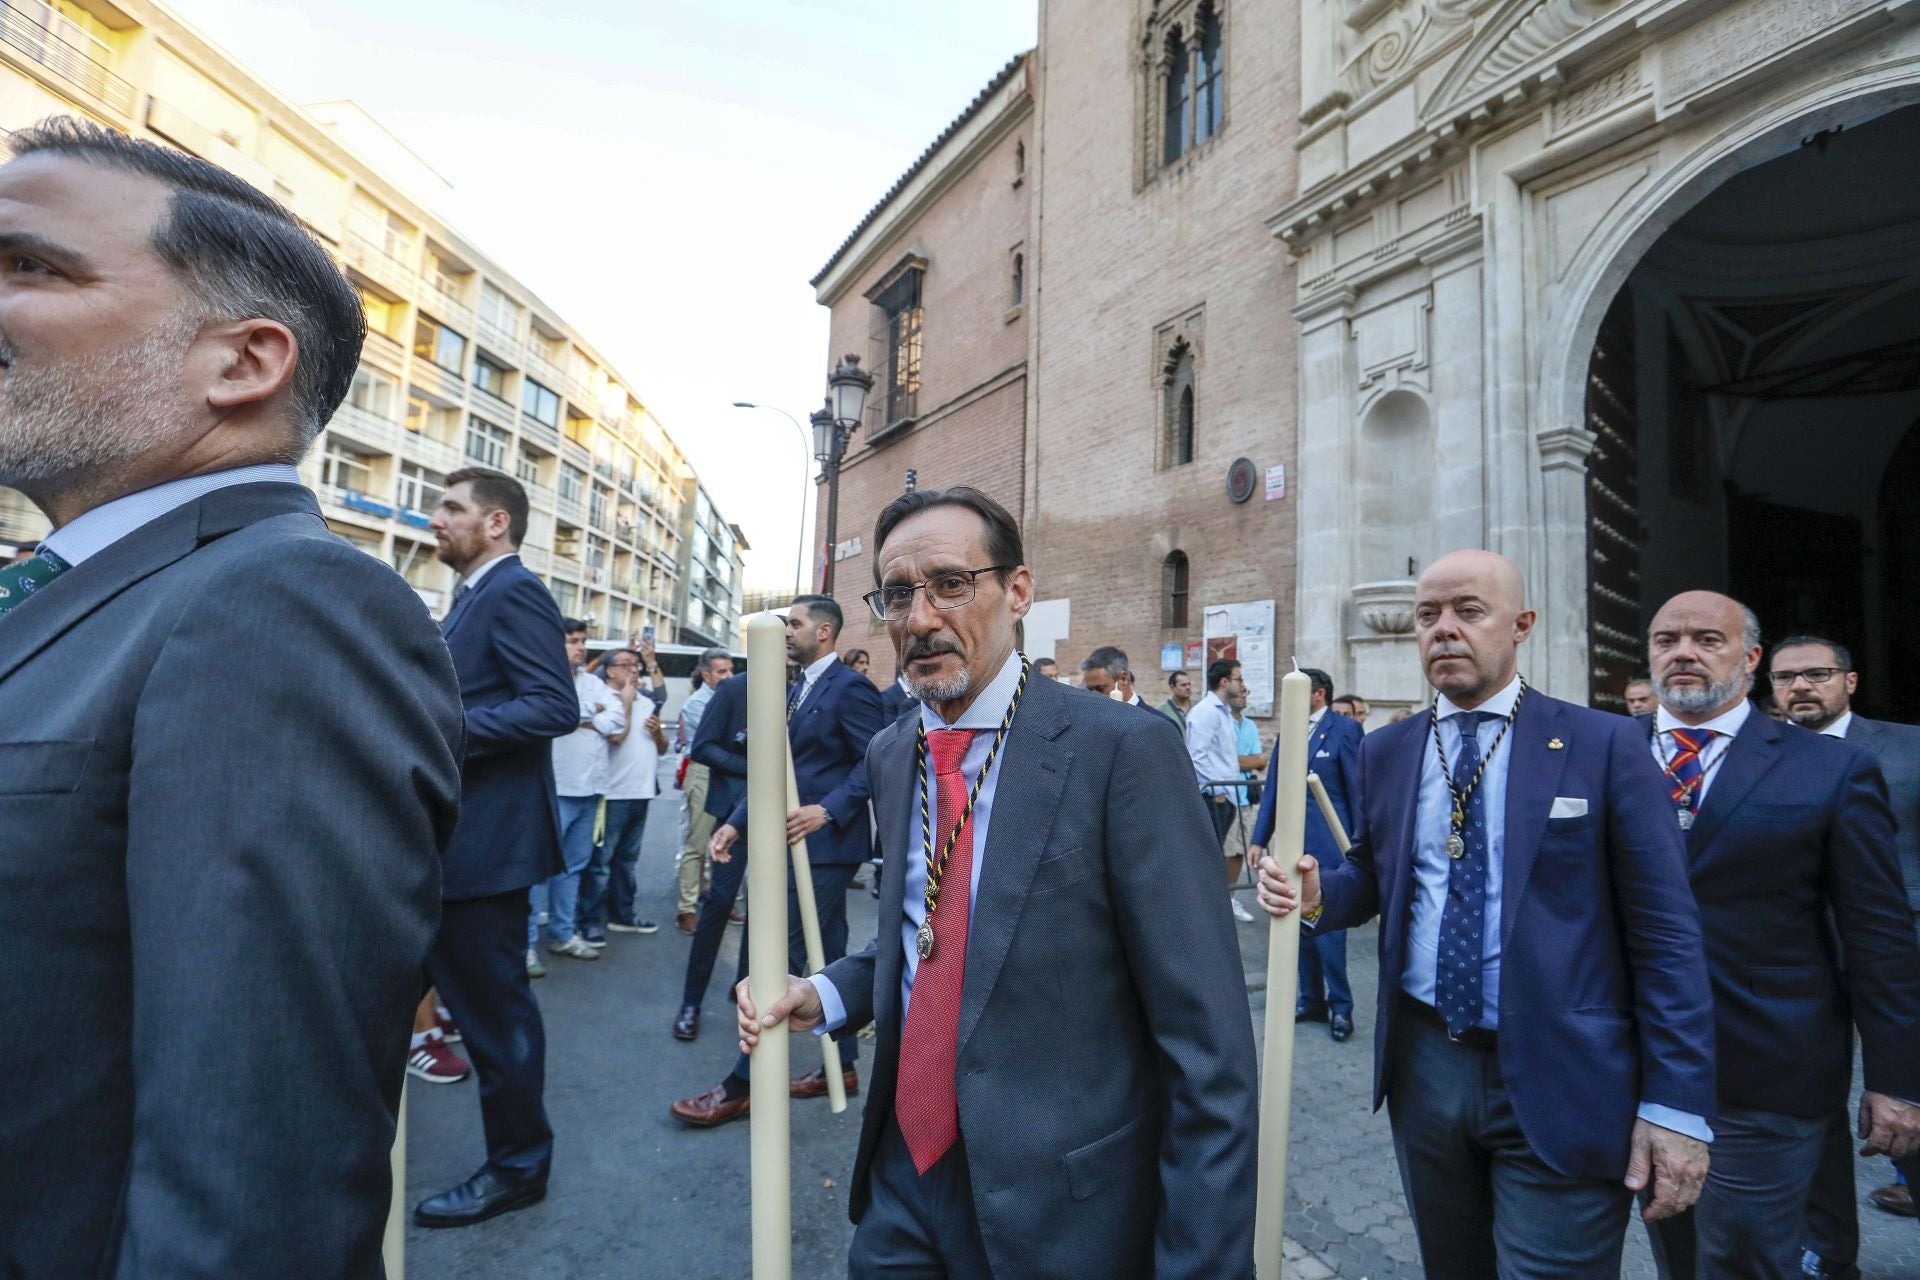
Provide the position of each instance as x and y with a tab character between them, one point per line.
89	534
985	715
1431	868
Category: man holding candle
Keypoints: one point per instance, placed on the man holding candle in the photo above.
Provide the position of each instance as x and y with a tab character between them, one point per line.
1064	1074
1544	1039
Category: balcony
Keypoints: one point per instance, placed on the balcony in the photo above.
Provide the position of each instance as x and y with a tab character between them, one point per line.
365	428
21	522
357	505
439	383
538	559
500	341
598	577
540	496
571	511
576	453
544	371
67	50
428	452
540	433
382	352
368	257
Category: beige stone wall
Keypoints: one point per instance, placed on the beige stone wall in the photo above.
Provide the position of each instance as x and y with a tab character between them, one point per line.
1123	252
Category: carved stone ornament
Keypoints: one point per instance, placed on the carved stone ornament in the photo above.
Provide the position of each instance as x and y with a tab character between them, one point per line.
1386	607
1517	35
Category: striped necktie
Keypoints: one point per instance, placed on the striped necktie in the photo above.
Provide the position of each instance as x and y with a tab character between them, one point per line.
1687	768
19	581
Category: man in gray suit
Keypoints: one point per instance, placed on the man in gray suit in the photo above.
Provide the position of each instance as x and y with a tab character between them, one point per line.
228	742
1064	1077
1814	682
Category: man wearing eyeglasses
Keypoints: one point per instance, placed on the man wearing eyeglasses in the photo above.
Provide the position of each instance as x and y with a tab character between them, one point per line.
1063	1077
1808	929
1813	683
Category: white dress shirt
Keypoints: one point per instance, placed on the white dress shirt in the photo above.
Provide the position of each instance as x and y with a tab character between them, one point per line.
90	533
1838	729
810	675
1212	742
984	715
580	758
1726	724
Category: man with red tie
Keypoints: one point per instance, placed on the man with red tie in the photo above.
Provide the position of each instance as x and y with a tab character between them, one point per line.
1064	1081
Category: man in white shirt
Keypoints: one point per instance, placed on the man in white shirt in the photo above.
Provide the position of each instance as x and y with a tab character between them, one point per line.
1213	743
696	824
607	887
580	779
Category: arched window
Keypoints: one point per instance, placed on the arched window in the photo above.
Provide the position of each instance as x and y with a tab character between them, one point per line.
1175	135
1209	76
1173	591
1177	435
1019	278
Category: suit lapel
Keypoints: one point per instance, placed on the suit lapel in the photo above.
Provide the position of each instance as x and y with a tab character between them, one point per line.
465	602
1026	796
1749	757
1401	781
893	790
1534	770
147	550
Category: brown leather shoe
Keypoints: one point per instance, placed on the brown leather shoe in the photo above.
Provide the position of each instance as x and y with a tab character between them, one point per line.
1895	1199
687	1025
686	920
710	1108
814	1084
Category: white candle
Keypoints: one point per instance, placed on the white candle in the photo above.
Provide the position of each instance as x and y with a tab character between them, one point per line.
767	942
816	954
1289	784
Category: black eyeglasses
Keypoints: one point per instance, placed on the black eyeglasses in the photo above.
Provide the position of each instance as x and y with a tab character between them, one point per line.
1812	675
945	590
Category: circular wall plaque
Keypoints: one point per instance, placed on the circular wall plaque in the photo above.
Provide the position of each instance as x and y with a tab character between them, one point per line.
1241	479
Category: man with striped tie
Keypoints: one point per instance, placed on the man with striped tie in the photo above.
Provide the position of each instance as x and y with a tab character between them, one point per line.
1063	1081
1791	850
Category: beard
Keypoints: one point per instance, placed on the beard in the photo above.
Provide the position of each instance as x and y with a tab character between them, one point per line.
74	418
1696	700
936	688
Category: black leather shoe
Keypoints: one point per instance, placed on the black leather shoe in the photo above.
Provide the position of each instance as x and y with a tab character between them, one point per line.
687	1025
1342	1027
1310	1015
480	1197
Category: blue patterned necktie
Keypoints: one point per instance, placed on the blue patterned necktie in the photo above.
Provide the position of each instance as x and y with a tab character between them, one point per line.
1457	982
19	581
797	692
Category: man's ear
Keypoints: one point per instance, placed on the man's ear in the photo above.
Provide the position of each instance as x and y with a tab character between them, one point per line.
248	362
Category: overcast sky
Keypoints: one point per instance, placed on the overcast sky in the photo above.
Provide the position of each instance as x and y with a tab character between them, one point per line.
668	175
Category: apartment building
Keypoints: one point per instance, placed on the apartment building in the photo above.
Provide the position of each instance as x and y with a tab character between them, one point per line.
463	364
709	604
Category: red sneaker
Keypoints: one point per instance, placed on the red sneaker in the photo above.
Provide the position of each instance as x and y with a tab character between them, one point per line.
435	1063
443	1021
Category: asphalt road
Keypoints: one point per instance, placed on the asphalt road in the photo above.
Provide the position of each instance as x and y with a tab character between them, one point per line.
635	1193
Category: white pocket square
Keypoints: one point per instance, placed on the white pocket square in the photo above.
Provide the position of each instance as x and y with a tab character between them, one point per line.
1321	755
1568	807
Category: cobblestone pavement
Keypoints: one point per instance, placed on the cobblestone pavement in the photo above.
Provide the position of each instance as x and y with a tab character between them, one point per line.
1344	1203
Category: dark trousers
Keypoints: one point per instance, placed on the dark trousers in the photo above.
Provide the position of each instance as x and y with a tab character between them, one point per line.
830	900
1484	1205
1833	1213
479	964
607	885
918	1227
1223	812
1323	973
1752	1211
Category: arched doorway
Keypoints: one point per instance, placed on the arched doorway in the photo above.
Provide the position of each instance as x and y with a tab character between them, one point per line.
1754	391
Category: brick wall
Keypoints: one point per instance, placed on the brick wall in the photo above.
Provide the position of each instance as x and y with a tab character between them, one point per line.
1118	258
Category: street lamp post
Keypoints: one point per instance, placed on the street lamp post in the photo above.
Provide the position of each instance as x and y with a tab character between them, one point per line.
806	492
833	426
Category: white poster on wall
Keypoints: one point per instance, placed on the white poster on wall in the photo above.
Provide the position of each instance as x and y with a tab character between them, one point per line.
1243	633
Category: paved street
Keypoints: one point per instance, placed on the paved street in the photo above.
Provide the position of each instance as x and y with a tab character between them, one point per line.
636	1193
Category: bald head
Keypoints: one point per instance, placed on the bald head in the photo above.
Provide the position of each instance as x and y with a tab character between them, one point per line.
1704	648
1470	616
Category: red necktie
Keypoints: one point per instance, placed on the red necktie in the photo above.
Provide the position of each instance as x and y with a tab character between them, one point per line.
1687	766
924	1100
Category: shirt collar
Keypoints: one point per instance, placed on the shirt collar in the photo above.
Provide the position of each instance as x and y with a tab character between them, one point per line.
1313	720
474	575
815	669
1216	700
1838	729
92	532
1727	722
987	710
1500	704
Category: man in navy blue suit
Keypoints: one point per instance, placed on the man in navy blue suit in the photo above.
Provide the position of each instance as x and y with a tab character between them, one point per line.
1792	849
1545	1033
832	714
508	650
1333	752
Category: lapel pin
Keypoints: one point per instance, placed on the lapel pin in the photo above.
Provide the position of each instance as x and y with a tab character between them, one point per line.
1554	744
